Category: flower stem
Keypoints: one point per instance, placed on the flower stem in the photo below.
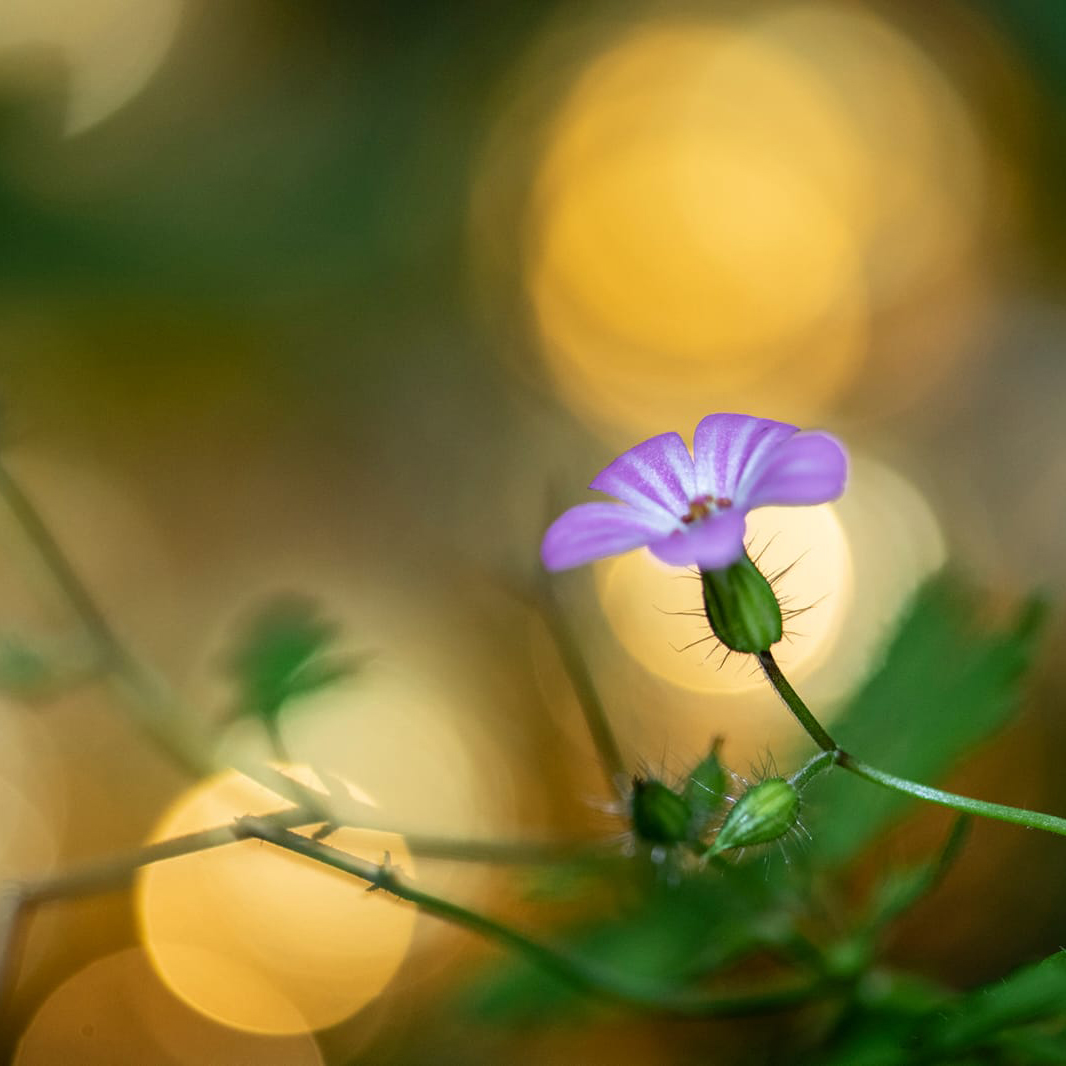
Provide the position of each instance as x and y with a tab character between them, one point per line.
144	694
838	757
796	705
812	768
999	811
19	899
588	697
583	974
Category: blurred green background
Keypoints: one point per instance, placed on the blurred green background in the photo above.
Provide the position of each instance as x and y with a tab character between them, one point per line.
349	300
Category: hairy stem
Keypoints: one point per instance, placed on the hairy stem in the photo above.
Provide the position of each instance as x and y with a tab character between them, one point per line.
796	705
19	899
821	762
1017	815
583	974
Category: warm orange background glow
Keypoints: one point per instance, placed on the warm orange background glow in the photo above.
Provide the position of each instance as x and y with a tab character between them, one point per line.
345	303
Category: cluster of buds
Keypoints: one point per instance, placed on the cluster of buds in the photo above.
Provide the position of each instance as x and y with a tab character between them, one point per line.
662	815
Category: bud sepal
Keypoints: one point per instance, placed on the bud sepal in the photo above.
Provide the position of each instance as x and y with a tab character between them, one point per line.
660	815
741	607
706	789
765	812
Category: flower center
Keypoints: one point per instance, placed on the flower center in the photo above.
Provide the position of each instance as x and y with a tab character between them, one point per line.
703	507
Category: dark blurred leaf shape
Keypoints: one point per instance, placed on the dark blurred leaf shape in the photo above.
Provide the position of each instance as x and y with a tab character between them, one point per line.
25	671
1031	994
942	688
878	1026
1033	1046
674	934
901	889
287	651
1005	1021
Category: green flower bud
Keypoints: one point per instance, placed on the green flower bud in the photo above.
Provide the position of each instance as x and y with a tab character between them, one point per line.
660	815
765	812
741	607
706	789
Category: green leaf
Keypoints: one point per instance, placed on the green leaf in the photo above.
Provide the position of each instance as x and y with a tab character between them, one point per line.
1030	994
25	671
286	652
897	1020
899	890
671	936
878	1026
1032	1046
942	688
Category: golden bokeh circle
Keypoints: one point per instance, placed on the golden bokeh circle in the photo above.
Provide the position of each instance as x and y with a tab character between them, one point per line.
916	144
776	210
690	245
655	611
261	939
111	48
115	1010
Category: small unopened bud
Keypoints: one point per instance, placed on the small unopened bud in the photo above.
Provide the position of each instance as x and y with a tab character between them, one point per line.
765	812
660	815
706	788
741	607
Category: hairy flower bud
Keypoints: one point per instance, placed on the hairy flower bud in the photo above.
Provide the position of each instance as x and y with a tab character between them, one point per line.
765	812
660	815
741	607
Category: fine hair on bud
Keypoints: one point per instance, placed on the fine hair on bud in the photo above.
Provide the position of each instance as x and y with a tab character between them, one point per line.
741	607
763	813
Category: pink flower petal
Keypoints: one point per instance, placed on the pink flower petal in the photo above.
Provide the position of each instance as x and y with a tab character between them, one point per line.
595	530
656	476
727	445
712	544
807	468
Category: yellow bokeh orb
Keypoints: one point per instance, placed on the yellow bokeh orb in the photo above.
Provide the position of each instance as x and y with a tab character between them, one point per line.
655	610
691	237
115	1010
111	48
262	939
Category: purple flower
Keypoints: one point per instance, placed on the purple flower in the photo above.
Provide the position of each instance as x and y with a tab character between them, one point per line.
691	509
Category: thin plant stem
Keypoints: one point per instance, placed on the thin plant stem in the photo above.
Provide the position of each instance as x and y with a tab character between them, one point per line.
20	899
146	696
583	974
838	757
792	700
154	708
599	726
114	872
821	762
1016	815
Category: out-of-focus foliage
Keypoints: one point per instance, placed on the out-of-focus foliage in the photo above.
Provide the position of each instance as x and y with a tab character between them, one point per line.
943	687
25	670
667	929
1017	1021
287	651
